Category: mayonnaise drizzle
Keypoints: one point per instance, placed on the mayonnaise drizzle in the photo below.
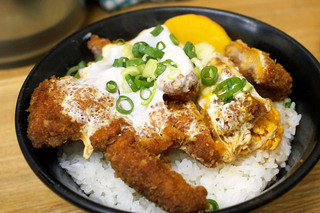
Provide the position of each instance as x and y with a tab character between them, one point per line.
99	73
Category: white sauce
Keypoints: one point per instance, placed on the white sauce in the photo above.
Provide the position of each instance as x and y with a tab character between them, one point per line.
99	73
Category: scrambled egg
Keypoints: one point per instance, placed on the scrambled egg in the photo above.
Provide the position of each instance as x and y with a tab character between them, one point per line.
245	124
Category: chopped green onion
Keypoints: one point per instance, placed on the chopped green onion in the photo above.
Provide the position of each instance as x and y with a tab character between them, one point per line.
161	67
247	87
157	30
174	40
153	92
197	63
143	90
163	46
141	67
74	69
209	75
130	81
214	205
134	62
77	75
98	58
120	41
138	49
204	50
189	49
153	52
141	48
111	86
288	104
206	91
82	64
119	105
132	70
120	62
173	73
229	87
127	50
143	82
150	68
198	73
171	63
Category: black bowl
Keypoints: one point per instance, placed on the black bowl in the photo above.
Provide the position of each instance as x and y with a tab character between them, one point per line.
303	67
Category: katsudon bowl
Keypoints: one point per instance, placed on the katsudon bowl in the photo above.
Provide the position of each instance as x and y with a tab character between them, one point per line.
303	67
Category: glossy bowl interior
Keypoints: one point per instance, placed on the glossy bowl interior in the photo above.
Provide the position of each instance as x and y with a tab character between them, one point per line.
303	67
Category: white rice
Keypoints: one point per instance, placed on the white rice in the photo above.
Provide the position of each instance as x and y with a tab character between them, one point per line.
227	184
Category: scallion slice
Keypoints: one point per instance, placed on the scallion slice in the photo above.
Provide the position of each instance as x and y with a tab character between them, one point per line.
120	62
157	30
121	102
174	40
134	62
111	86
214	205
132	70
171	63
227	88
74	69
161	67
143	91
189	49
98	58
162	47
153	52
138	49
77	75
131	83
209	75
247	87
150	68
174	73
153	92
120	41
288	104
143	82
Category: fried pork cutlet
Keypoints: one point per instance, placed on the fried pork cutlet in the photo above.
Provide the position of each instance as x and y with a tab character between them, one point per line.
99	128
235	123
183	87
149	176
270	79
95	44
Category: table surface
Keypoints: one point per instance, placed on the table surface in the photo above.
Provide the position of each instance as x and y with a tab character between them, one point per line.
22	191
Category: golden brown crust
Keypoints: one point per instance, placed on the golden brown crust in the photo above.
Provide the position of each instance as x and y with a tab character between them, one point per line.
95	44
149	176
270	79
107	134
134	159
198	142
47	125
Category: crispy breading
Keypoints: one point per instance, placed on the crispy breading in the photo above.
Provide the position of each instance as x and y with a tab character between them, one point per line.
47	125
198	143
144	172
70	109
271	80
95	44
127	152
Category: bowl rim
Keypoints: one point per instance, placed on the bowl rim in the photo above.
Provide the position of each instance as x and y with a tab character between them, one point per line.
90	205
